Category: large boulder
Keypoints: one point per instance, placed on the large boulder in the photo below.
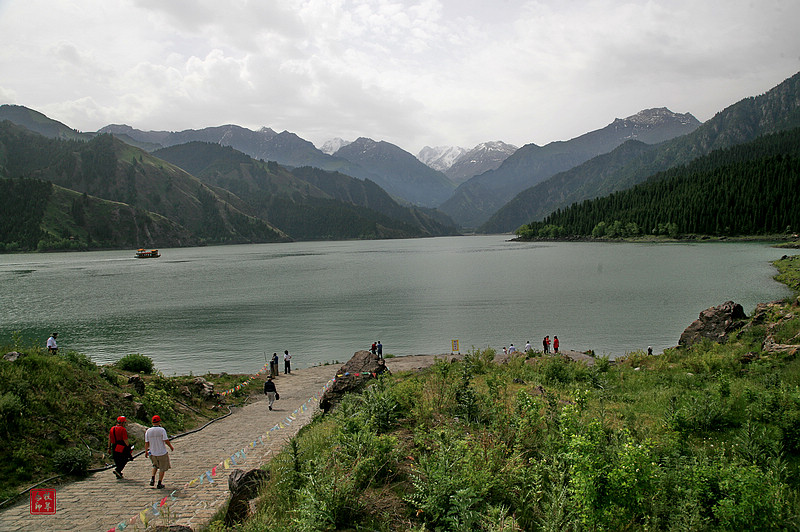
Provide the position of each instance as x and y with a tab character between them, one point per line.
351	377
715	323
243	487
138	383
204	388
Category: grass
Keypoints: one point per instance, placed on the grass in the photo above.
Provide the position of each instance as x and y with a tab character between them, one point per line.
56	410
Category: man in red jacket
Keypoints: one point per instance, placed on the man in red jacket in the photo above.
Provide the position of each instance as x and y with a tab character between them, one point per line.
118	446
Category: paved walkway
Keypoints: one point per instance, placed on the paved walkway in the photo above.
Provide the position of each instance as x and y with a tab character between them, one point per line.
101	502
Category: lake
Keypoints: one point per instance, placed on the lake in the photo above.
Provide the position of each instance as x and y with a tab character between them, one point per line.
214	309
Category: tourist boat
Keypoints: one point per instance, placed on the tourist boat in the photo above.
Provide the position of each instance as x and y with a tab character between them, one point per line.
145	254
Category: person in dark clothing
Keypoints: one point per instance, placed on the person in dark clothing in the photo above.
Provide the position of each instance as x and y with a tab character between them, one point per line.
380	349
270	391
273	365
118	446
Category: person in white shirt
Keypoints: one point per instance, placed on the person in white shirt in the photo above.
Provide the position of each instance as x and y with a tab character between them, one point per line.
512	349
52	346
156	442
287	364
527	347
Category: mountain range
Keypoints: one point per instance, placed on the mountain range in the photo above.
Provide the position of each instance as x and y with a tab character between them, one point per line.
492	188
481	196
634	161
233	198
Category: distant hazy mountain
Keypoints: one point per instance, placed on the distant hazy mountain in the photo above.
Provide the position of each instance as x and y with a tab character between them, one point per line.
398	172
39	123
478	198
634	162
441	157
482	158
333	145
306	203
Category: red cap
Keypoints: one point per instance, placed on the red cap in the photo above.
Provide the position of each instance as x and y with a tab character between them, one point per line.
121	419
156	419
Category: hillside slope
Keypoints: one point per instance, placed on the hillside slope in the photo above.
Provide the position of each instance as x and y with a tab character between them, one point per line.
776	110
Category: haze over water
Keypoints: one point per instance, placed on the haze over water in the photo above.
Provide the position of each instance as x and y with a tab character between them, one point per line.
223	308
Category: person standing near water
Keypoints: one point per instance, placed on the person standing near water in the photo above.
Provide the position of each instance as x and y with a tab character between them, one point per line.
273	365
380	349
287	362
52	346
555	344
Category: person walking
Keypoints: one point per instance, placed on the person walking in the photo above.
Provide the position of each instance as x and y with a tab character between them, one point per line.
555	344
52	346
287	362
118	446
270	391
156	442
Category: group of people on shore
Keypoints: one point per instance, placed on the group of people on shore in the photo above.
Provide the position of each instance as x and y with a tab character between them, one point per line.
156	442
287	364
546	343
377	349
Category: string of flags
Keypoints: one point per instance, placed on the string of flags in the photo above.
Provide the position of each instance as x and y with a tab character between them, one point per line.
243	384
146	515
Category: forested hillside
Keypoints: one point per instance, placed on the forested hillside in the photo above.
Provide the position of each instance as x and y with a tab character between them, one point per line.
306	203
749	189
632	163
138	190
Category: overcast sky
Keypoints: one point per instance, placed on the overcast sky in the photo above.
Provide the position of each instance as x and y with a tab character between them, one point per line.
414	73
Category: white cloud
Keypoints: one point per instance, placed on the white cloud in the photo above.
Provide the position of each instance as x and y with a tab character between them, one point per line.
411	72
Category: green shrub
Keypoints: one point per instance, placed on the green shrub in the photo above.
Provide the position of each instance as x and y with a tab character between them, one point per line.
136	362
72	461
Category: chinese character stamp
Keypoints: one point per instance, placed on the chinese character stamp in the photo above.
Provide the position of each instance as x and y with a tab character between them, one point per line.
43	502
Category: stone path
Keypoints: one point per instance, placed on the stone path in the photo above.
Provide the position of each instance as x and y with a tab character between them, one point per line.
101	502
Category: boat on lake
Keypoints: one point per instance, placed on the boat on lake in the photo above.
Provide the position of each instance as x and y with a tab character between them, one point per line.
147	254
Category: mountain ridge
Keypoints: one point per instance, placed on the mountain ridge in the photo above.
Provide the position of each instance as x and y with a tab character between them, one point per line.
776	110
532	164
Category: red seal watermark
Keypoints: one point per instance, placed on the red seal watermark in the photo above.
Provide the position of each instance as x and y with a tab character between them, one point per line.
43	502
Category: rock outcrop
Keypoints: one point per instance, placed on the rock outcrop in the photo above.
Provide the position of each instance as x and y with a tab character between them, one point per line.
362	367
13	356
715	323
243	487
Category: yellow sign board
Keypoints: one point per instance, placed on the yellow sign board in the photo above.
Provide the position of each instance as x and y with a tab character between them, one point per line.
455	347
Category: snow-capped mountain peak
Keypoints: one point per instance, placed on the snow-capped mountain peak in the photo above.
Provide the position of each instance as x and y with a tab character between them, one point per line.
441	157
333	145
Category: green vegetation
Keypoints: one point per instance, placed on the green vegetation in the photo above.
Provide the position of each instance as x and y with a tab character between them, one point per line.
749	189
136	363
705	438
56	410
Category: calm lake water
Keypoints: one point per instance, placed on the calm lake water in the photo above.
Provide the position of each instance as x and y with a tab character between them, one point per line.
223	308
